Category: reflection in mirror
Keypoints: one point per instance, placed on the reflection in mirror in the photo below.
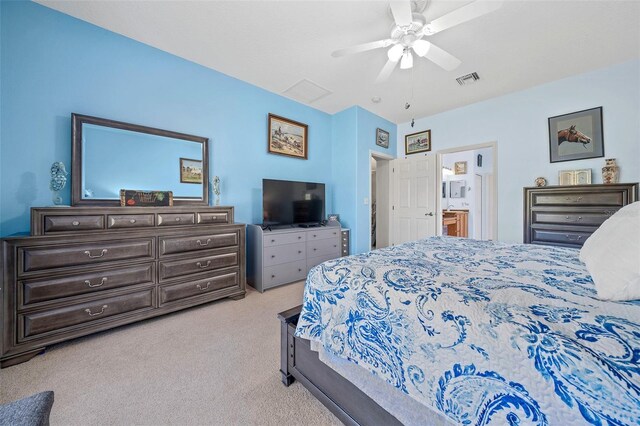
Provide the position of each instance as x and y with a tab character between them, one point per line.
109	156
144	162
457	188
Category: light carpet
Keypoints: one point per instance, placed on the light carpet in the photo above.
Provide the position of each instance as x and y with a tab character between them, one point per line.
216	364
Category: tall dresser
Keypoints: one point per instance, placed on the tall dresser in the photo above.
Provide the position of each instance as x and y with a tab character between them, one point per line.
567	215
88	269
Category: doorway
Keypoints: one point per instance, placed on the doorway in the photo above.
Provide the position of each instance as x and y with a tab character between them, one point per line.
468	204
380	203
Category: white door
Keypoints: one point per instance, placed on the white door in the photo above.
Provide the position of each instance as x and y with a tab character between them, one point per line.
414	198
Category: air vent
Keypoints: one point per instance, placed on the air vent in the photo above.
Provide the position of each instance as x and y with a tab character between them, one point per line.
306	91
468	79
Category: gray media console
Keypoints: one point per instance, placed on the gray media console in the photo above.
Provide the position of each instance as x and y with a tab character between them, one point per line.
286	255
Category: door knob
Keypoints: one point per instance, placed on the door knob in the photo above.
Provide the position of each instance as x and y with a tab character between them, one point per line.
429	214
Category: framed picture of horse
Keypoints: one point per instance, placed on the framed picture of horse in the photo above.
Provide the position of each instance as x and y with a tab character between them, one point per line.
576	136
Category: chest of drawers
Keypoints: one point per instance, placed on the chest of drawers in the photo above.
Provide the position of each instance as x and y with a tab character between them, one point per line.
88	269
283	256
567	215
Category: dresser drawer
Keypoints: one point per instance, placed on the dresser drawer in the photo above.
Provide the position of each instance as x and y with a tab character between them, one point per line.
213	218
176	219
323	247
570	218
286	238
48	257
284	273
322	234
171	245
33	324
46	289
314	261
574	198
567	238
284	253
196	265
198	288
115	221
73	223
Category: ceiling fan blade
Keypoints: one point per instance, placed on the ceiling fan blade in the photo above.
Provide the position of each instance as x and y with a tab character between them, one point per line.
386	71
401	11
464	14
361	48
442	58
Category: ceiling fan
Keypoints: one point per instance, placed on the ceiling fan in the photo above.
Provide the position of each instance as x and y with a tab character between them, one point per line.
410	30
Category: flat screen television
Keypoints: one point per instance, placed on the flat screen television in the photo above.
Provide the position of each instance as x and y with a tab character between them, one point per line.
287	203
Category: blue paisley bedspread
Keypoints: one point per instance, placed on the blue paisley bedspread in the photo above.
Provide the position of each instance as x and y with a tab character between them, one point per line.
482	332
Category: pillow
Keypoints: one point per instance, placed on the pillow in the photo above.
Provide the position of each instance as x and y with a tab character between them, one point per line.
612	255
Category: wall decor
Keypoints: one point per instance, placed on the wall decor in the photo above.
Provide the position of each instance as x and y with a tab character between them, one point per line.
574	177
190	170
576	136
540	181
460	167
216	189
382	138
610	171
479	160
287	137
417	142
136	198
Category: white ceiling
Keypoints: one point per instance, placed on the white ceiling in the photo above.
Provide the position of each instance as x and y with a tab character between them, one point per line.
274	44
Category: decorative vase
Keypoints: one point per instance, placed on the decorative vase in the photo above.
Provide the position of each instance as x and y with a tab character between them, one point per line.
610	171
216	189
540	181
58	181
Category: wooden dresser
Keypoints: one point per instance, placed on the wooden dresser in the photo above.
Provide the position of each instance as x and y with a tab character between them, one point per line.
88	269
567	215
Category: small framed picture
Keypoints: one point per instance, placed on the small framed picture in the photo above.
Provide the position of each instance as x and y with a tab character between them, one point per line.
382	138
574	177
417	142
287	137
190	170
460	167
576	136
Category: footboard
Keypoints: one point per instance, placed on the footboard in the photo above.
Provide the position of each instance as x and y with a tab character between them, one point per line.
341	397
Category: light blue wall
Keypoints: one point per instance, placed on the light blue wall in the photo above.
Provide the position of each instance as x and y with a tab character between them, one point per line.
367	125
518	122
53	65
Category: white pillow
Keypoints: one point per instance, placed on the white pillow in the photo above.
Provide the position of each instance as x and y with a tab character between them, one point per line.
612	255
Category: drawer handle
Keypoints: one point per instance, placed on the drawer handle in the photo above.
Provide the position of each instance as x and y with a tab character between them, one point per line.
273	256
101	283
201	244
577	238
299	251
575	200
204	266
299	269
206	288
273	241
315	249
575	220
132	221
335	245
299	237
75	223
178	219
102	253
273	276
91	314
314	235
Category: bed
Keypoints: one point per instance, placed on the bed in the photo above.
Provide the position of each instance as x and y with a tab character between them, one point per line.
472	332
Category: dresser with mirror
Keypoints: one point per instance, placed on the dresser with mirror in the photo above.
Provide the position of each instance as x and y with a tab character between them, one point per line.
97	265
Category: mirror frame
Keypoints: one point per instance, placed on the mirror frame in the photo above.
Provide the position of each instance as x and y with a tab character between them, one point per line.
77	120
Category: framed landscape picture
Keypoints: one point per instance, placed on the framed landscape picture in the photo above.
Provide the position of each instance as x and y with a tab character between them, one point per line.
576	136
382	138
190	170
417	142
287	137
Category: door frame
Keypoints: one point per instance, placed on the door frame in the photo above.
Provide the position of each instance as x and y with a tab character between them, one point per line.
440	153
386	157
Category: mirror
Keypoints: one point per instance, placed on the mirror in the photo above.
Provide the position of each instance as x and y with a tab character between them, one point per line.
457	188
108	156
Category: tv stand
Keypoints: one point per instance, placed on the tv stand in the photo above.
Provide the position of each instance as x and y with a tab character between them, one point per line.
280	256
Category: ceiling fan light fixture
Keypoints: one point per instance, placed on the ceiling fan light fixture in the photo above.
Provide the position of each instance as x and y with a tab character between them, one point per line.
395	53
407	60
421	47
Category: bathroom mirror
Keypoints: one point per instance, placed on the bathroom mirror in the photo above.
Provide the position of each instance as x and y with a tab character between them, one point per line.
457	188
108	156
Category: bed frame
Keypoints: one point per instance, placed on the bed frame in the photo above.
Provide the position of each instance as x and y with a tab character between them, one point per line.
298	362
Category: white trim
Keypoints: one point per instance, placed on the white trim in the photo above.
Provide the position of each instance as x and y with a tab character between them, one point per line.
440	153
381	156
